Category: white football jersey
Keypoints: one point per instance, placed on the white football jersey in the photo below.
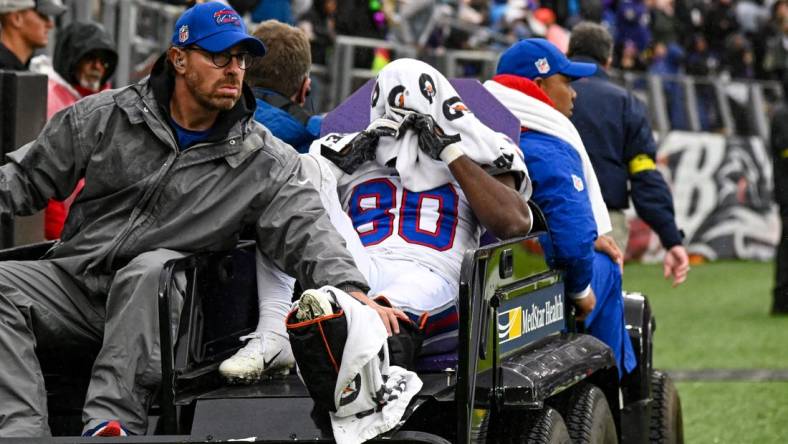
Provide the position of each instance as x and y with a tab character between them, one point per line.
433	228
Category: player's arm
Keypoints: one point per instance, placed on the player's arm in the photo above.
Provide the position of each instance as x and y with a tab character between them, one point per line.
494	200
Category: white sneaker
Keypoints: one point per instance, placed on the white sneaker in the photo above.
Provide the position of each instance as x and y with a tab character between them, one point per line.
263	356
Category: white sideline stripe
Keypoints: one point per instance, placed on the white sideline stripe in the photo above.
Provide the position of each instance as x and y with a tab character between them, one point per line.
734	374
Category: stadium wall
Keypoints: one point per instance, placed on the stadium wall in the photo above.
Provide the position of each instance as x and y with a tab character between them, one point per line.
722	191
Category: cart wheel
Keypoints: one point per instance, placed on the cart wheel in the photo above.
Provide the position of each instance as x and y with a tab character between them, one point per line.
542	427
589	419
666	423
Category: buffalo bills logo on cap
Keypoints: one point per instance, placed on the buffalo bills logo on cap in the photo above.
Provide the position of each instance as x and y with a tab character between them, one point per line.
227	17
542	66
397	97
453	108
427	87
183	33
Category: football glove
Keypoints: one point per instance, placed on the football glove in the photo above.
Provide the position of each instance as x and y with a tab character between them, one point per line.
359	150
432	139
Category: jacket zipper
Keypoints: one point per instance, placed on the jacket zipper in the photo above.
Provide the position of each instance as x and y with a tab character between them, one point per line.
147	199
139	210
146	202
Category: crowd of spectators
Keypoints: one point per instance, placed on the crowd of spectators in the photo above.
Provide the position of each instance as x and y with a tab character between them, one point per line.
737	38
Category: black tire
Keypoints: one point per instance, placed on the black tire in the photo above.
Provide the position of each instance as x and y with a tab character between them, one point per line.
588	417
542	427
666	425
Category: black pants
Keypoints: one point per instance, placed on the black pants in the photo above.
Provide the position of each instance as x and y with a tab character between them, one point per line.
780	303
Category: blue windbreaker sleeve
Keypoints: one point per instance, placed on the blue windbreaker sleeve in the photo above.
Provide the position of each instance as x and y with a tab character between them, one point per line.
285	127
560	191
650	194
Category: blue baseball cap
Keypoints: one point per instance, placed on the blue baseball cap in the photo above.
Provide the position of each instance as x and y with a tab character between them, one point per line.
214	27
532	58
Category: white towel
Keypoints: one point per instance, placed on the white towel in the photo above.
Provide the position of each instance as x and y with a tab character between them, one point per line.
408	85
370	396
539	116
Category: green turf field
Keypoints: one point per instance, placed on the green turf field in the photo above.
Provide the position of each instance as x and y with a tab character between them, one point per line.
719	319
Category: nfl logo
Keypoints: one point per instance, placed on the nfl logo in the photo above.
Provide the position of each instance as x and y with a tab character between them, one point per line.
542	66
578	183
183	33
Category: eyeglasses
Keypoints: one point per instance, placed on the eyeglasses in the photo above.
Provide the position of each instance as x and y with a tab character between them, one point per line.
222	59
92	57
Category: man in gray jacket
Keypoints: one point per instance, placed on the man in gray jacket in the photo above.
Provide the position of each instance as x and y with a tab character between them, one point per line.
173	165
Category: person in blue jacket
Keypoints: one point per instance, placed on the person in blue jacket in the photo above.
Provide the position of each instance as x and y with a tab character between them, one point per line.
537	69
281	84
615	131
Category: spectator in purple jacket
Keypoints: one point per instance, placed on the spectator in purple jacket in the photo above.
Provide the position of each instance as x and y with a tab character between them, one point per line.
632	24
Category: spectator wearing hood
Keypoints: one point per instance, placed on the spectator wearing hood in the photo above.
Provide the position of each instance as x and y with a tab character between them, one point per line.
84	60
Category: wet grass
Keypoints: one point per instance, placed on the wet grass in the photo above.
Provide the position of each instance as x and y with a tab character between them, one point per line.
720	319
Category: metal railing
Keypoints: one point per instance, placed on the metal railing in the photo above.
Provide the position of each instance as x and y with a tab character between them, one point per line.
727	106
343	69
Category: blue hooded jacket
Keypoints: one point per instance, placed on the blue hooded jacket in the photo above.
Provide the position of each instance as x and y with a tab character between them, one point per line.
559	189
285	126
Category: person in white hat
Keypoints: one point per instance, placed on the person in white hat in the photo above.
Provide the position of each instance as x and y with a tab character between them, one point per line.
24	27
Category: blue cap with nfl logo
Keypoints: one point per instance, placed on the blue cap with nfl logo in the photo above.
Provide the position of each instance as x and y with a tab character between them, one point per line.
532	58
214	27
